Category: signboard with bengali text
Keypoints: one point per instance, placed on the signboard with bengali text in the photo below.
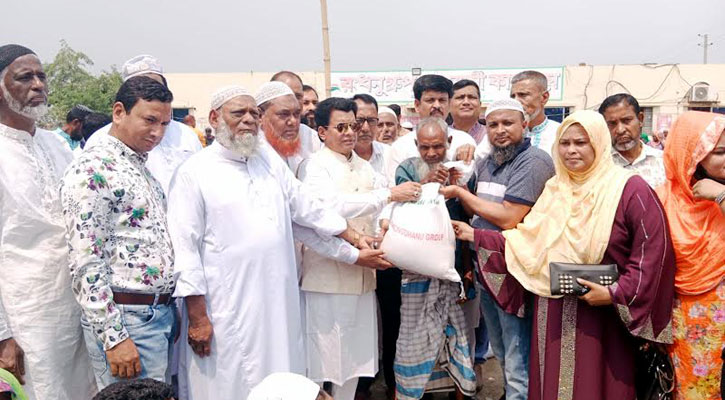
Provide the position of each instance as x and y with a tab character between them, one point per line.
397	86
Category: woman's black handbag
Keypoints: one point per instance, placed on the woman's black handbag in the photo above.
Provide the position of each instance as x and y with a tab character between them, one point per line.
563	277
654	374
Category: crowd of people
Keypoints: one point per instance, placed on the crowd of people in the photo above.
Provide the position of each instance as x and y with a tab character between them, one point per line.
145	258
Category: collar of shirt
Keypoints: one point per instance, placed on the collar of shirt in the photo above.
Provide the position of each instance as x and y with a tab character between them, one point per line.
71	142
520	148
120	148
646	152
226	153
16	134
539	128
341	157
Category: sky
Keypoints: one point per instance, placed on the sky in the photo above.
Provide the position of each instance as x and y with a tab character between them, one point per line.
369	35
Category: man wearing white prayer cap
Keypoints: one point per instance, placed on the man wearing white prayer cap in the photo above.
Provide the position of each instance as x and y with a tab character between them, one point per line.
287	386
179	141
309	142
41	339
388	125
233	210
509	181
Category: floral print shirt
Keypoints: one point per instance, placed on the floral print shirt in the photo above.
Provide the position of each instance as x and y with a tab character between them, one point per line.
115	217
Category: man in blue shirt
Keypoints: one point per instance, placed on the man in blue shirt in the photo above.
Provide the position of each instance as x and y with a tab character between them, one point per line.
72	131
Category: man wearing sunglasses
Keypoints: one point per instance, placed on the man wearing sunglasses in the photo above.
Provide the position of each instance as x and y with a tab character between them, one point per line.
339	298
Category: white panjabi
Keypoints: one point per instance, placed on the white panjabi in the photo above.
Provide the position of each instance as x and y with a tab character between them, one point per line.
224	94
139	65
270	91
504	104
285	386
386	110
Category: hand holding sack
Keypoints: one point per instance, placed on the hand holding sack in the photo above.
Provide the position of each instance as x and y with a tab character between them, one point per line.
465	171
420	237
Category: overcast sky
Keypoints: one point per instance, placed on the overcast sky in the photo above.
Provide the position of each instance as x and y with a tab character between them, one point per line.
269	35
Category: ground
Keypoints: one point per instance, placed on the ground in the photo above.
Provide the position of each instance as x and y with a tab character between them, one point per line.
492	383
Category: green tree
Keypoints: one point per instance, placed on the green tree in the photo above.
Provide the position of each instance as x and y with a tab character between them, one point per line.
70	83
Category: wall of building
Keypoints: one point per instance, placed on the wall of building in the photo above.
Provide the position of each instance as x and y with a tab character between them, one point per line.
664	88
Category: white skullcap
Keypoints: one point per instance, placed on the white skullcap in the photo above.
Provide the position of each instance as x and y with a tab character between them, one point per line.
285	386
387	110
227	93
272	90
406	125
504	104
139	65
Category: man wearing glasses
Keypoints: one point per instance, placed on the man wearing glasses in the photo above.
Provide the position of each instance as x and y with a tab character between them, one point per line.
376	153
341	332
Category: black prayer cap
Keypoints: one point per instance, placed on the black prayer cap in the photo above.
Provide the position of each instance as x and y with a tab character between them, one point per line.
11	52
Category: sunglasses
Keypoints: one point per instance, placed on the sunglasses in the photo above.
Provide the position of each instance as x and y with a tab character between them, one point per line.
343	126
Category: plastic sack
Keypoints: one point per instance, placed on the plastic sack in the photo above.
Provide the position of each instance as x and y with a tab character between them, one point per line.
420	237
466	171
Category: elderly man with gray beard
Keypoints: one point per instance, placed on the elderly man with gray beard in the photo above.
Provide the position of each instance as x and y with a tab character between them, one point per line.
434	344
508	183
41	340
231	208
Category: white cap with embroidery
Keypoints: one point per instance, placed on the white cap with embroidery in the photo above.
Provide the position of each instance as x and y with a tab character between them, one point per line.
139	65
272	90
227	93
506	103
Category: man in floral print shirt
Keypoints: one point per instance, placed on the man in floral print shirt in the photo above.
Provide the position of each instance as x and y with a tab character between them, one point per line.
121	257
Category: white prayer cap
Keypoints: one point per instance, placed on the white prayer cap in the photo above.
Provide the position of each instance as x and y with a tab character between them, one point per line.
227	93
285	386
505	103
272	90
386	110
139	65
406	125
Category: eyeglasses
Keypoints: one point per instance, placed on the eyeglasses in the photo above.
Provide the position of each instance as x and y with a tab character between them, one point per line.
343	126
370	121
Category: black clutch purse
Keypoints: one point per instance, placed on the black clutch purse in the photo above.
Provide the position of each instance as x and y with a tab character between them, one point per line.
564	275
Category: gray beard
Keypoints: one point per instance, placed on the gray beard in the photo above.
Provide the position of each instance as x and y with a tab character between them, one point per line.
620	147
502	155
33	113
423	168
245	144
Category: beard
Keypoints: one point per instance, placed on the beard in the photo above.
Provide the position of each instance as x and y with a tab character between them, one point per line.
33	113
244	144
626	146
423	168
309	119
503	154
285	147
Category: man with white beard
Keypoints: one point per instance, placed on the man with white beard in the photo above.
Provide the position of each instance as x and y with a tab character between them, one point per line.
231	208
41	341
